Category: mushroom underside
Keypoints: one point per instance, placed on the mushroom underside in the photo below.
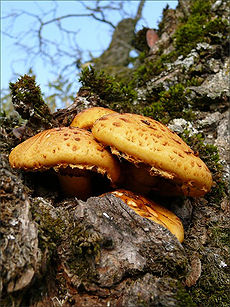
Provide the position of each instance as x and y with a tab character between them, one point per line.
145	179
69	182
142	179
82	181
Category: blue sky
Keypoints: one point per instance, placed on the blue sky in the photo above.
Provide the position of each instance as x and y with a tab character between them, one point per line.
92	36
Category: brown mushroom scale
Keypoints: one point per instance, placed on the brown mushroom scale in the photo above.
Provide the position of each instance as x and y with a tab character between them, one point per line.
159	160
72	152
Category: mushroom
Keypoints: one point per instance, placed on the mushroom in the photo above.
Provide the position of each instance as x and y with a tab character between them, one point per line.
86	118
73	153
153	211
157	159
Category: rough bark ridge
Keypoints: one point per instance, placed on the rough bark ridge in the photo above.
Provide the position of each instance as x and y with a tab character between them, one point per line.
65	252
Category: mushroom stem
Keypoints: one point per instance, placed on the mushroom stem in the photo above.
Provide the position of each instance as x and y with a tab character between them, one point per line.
138	179
73	186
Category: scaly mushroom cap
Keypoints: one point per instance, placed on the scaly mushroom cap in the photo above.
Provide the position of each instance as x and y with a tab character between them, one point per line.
61	148
86	118
142	140
151	210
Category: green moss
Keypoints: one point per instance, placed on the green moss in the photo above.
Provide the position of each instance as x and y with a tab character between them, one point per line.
212	288
62	236
194	81
188	35
174	100
50	228
217	29
169	104
155	110
220	235
85	247
65	241
200	26
83	241
191	30
183	297
26	91
116	95
150	68
201	7
203	103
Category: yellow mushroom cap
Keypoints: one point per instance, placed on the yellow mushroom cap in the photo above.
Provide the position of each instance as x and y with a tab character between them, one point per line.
86	118
142	140
64	147
151	210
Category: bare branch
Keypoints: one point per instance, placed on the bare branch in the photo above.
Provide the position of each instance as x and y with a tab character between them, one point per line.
65	44
103	20
139	10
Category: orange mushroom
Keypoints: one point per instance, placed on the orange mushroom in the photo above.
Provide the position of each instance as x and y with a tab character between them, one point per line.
73	153
153	211
86	118
157	158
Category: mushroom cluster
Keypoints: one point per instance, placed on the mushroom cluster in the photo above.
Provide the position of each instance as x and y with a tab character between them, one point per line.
127	151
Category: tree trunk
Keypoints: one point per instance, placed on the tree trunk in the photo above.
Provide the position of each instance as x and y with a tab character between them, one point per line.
58	251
